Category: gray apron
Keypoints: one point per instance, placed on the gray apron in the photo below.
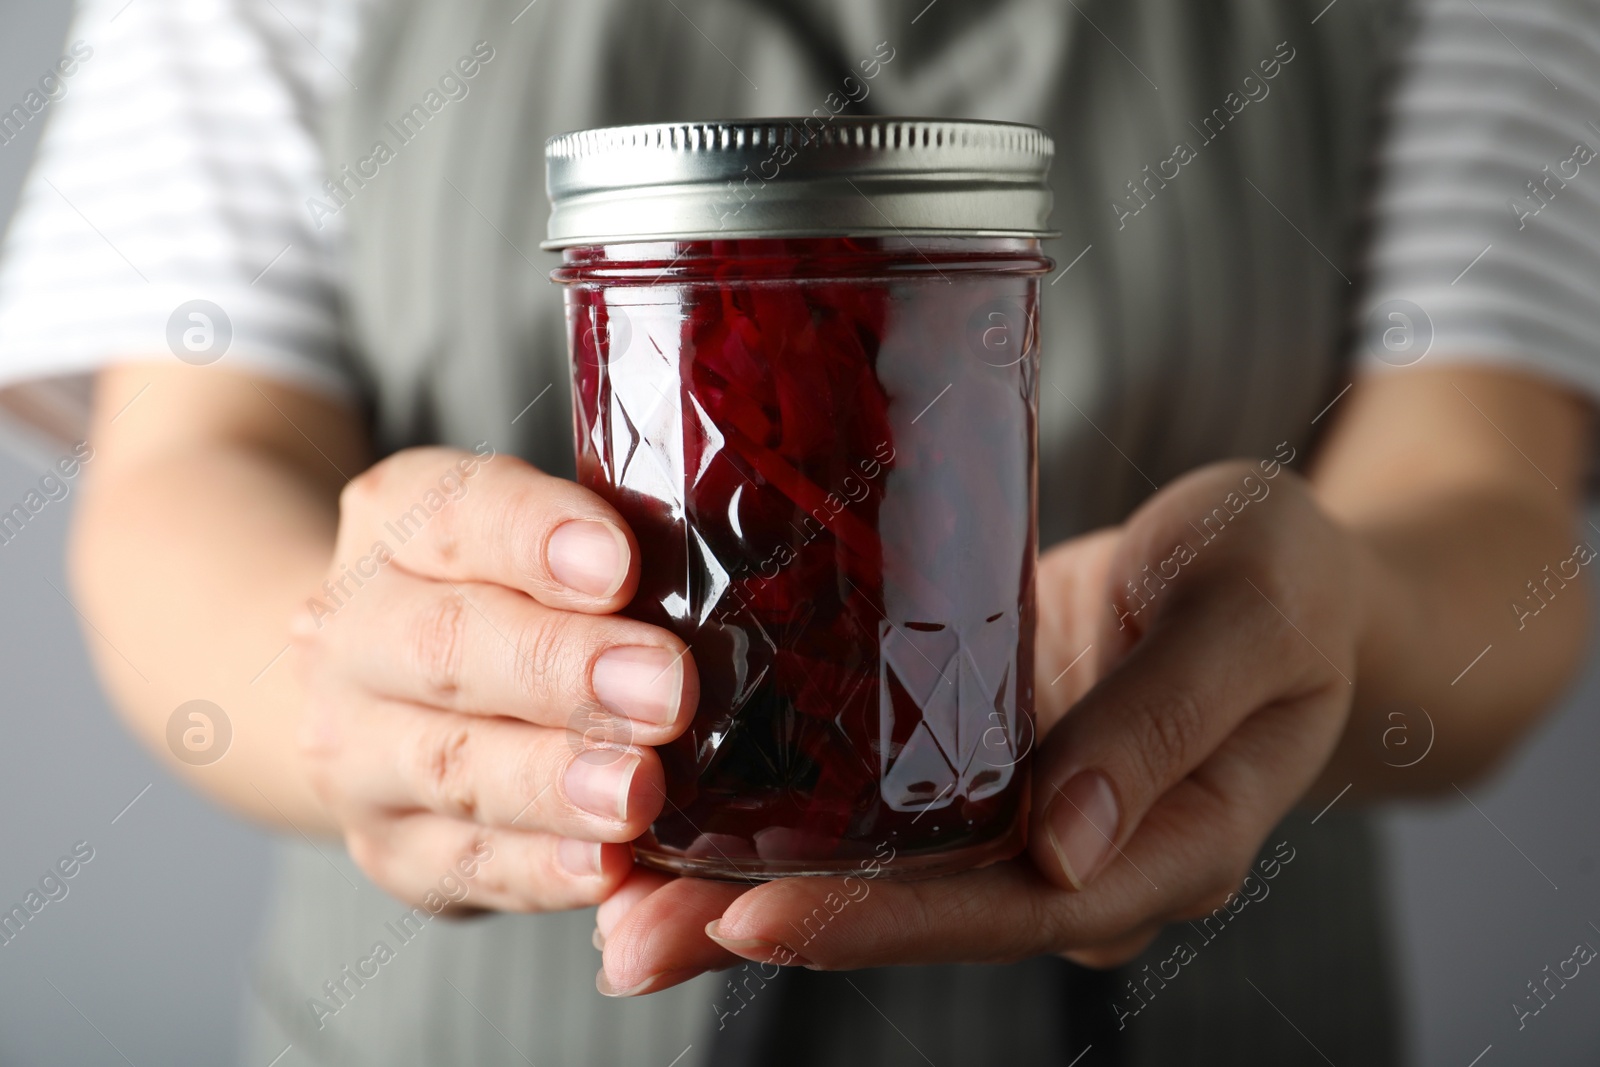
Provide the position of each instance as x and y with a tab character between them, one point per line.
1209	179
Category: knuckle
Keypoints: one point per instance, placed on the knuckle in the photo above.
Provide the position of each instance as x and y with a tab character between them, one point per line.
438	645
1236	873
308	657
1223	891
1116	954
519	521
1048	926
1210	902
464	858
368	854
443	770
1169	736
361	492
445	527
542	655
320	742
969	906
522	518
316	738
1217	882
528	777
495	882
324	785
1081	921
1219	890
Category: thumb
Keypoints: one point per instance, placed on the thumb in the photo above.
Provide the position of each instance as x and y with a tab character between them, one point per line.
1161	711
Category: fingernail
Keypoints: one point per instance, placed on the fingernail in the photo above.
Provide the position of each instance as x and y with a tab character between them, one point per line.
1082	825
649	985
600	787
588	556
640	683
581	859
598	940
774	953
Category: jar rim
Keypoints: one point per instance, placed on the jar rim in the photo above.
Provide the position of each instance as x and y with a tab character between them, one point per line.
808	260
846	176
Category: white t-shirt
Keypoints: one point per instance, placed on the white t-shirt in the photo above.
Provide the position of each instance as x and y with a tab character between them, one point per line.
181	152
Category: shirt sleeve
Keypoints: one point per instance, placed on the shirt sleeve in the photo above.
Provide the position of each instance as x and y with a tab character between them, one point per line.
1487	211
165	212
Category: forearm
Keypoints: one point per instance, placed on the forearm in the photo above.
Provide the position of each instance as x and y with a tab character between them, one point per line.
189	559
1447	661
1449	543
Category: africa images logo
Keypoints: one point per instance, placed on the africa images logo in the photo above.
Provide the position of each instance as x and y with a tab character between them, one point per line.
199	733
199	332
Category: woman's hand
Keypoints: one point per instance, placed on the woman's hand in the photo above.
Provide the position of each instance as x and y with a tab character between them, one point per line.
1218	632
472	707
208	512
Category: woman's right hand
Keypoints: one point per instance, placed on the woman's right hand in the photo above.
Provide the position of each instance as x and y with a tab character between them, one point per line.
467	684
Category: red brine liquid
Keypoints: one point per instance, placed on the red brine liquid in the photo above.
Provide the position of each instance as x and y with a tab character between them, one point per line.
826	450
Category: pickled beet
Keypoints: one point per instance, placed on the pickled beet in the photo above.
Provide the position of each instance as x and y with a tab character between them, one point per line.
826	450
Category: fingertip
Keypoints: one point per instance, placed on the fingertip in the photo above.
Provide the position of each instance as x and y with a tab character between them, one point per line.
652	984
616	861
637	884
580	859
646	793
665	932
1078	831
615	791
594	869
755	949
651	687
762	913
590	558
1114	953
689	699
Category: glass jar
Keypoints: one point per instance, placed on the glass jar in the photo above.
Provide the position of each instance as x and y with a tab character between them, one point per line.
823	437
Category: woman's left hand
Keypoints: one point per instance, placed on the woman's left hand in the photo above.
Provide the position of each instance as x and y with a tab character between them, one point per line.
1218	631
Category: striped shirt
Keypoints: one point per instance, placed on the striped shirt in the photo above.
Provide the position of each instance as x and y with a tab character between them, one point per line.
181	149
174	168
1487	218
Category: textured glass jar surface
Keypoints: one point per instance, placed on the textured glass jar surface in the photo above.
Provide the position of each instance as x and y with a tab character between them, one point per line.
826	449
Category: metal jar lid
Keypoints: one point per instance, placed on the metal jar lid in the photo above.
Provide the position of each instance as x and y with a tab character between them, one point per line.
798	177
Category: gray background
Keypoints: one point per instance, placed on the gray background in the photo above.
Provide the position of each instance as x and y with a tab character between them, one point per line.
144	961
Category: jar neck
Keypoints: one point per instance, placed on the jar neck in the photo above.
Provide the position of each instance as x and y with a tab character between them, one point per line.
792	259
